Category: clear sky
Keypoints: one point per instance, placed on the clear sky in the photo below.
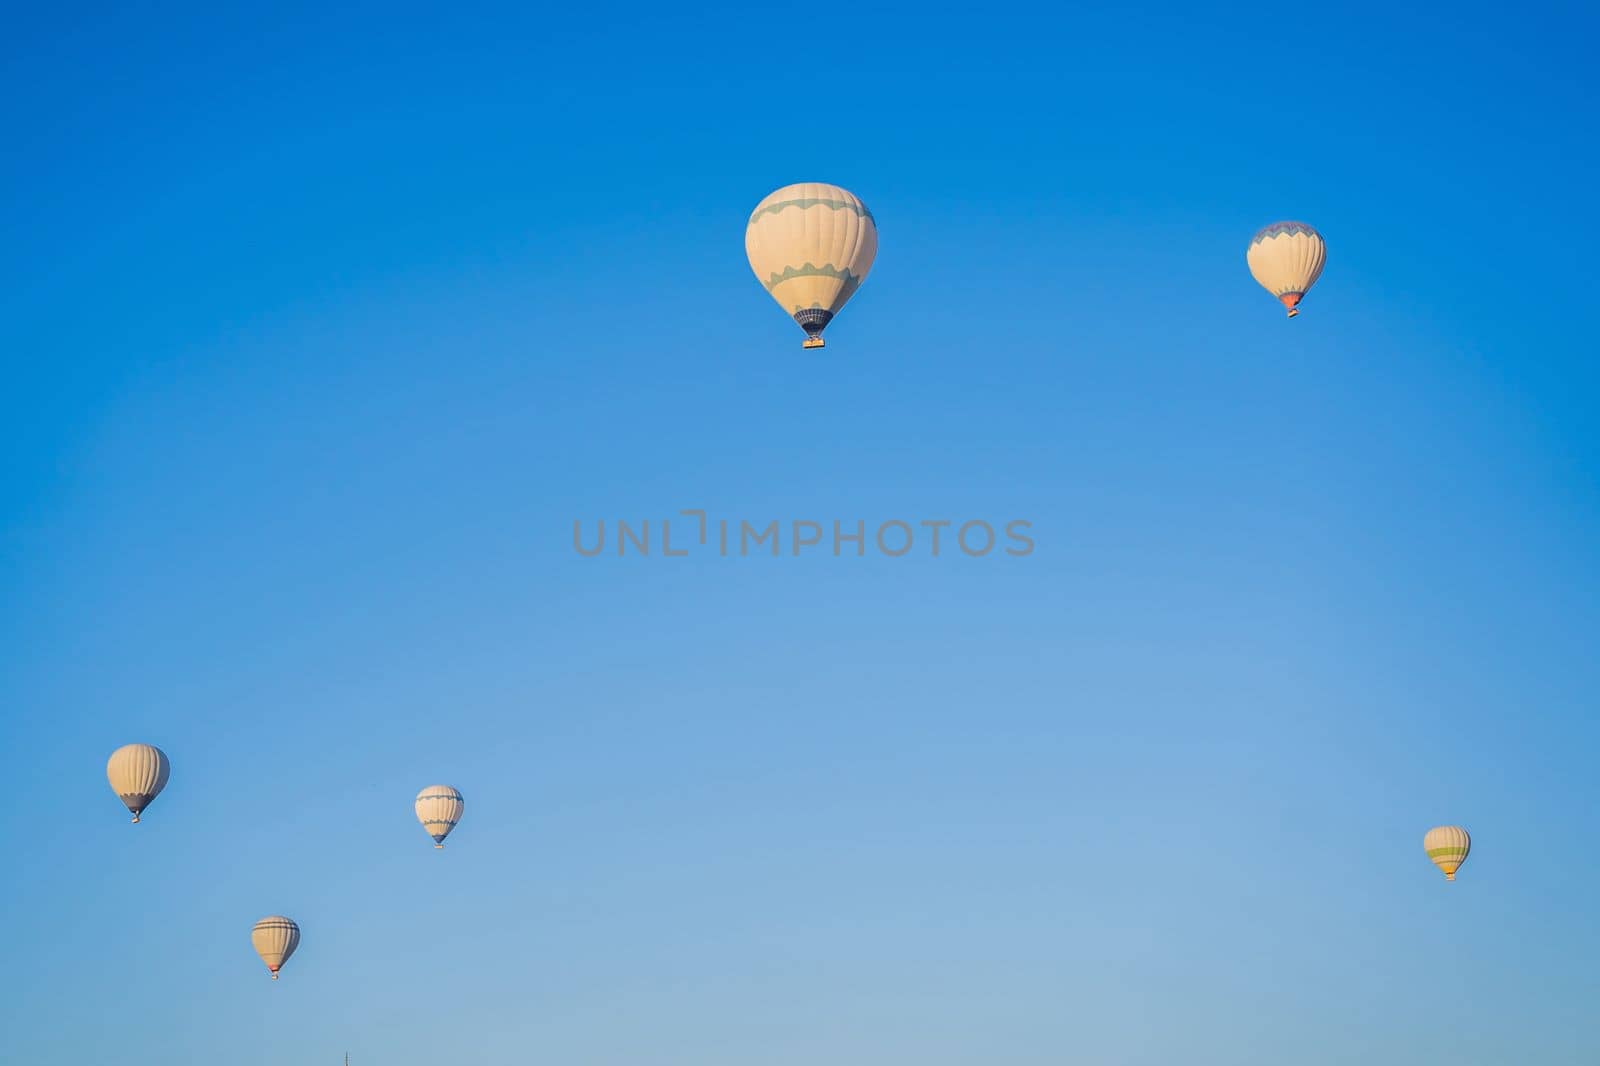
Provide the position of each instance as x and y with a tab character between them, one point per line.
320	330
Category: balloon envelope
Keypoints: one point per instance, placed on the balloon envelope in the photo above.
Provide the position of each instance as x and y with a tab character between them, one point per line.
811	245
138	773
1286	258
275	938
439	808
1447	847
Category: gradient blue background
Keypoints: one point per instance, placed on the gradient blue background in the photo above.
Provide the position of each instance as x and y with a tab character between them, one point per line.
320	330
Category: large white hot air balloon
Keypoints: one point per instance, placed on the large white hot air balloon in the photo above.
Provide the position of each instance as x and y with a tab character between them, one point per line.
811	246
1447	847
138	773
1287	258
275	938
439	808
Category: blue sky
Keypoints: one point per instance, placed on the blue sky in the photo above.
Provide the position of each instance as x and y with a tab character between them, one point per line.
320	330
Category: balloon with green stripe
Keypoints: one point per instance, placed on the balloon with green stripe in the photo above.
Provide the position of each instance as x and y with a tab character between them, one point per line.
1447	847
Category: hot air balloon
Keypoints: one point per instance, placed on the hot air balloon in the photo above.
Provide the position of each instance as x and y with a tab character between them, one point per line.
275	938
439	808
1447	847
1287	258
811	246
138	773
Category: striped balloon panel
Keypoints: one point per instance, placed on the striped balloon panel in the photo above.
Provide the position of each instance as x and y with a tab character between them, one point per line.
811	245
1286	258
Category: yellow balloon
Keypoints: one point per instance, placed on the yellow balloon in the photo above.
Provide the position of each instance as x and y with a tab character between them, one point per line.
811	246
1286	258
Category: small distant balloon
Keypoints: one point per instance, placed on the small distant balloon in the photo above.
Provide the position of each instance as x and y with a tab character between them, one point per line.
138	773
1287	259
811	246
439	808
275	938
1447	847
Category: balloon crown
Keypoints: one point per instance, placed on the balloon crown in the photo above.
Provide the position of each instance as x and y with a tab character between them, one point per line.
1280	228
